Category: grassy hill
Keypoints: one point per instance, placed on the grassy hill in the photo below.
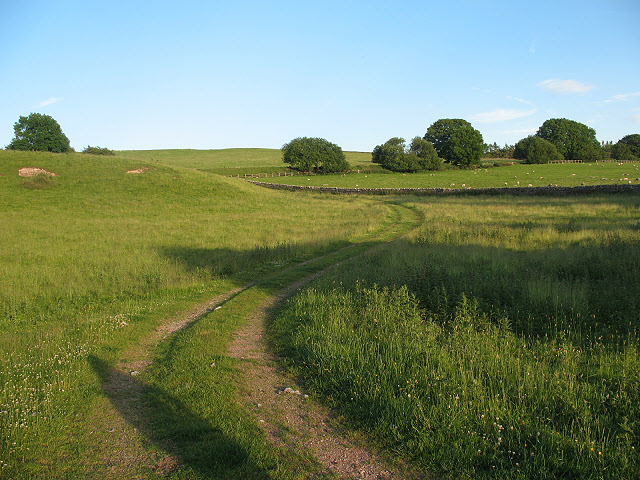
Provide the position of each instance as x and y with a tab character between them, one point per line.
93	258
498	340
229	161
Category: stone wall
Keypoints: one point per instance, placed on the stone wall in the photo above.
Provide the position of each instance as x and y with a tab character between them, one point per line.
551	190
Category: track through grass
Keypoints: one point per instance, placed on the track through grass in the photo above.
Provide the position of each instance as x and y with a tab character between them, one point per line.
203	379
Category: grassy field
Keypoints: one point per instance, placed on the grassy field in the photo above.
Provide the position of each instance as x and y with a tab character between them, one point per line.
95	257
517	175
500	341
230	161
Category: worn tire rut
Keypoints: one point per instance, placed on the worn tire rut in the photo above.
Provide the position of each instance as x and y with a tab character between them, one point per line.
290	419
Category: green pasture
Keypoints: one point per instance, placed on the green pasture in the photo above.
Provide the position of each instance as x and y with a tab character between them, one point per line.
516	175
230	161
500	340
92	259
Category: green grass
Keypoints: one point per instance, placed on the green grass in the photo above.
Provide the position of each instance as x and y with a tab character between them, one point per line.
517	175
524	309
230	161
500	341
93	262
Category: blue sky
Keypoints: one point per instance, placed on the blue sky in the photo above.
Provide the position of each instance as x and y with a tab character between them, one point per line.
196	74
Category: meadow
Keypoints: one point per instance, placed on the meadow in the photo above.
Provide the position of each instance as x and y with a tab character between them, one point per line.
496	340
94	258
499	340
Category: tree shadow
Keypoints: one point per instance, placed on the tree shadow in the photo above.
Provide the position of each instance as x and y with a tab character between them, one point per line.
194	442
251	266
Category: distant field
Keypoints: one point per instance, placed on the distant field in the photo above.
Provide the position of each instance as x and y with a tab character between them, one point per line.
229	161
517	175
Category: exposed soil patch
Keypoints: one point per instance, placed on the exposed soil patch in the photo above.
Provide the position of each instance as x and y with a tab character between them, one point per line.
139	170
33	171
292	419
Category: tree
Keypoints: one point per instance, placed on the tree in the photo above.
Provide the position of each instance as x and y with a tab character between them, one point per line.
427	156
395	156
633	142
39	132
439	133
534	149
466	146
314	154
574	140
621	151
390	155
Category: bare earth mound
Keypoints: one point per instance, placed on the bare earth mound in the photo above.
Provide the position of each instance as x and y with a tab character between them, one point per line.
33	171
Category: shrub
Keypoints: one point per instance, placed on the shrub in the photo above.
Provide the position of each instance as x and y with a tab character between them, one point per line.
314	154
534	149
395	156
427	156
98	151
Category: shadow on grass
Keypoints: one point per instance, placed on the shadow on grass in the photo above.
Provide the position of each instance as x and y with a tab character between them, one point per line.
244	266
192	442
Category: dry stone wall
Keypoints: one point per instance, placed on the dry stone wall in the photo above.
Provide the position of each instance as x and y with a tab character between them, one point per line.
550	190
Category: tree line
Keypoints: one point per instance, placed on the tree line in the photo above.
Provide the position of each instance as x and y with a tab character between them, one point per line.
451	141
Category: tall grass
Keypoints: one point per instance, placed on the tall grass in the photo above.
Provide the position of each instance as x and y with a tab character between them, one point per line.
501	341
93	262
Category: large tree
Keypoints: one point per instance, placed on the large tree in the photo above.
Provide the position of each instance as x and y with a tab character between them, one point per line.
39	132
439	133
467	145
314	154
574	140
456	141
633	142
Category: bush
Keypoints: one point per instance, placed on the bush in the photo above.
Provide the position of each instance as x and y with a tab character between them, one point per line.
427	156
534	149
98	151
314	154
395	156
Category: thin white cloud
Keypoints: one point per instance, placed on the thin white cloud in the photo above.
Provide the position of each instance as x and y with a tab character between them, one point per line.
526	102
501	115
50	101
636	117
565	86
625	97
482	90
